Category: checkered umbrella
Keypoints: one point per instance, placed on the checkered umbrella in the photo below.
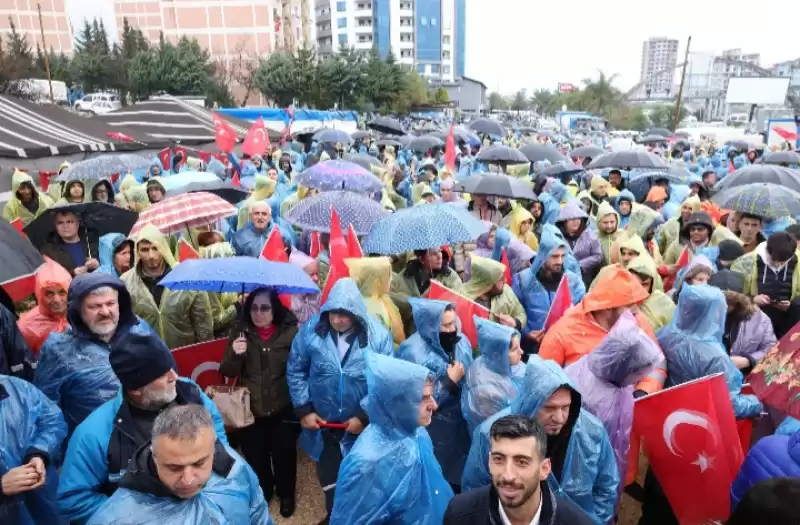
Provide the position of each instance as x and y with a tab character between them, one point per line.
184	211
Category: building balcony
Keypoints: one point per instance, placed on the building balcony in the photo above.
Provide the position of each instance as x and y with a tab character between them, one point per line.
323	17
326	32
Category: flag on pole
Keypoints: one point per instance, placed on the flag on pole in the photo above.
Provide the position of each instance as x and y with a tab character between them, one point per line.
337	250
257	141
200	362
450	150
691	441
44	179
354	250
315	245
465	309
507	272
274	249
562	302
683	260
224	134
164	156
186	251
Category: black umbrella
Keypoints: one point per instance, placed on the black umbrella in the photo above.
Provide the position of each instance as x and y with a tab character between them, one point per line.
389	142
562	169
526	129
497	185
502	154
424	143
659	131
487	126
358	135
627	159
387	125
683	134
100	217
539	152
587	151
781	157
650	139
764	173
332	136
18	257
740	144
224	190
460	136
364	160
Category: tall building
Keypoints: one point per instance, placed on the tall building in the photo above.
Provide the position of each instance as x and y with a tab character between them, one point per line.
25	16
659	59
723	66
429	35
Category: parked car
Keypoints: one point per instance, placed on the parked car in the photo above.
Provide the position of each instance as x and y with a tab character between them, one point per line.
98	103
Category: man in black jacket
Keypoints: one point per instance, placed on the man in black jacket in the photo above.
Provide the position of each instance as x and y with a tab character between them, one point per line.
519	493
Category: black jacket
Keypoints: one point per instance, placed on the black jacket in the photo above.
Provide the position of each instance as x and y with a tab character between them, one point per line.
15	355
54	248
481	507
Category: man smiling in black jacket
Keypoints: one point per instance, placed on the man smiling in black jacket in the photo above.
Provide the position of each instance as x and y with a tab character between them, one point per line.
519	493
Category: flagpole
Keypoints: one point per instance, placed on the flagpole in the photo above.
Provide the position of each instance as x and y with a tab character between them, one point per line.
44	53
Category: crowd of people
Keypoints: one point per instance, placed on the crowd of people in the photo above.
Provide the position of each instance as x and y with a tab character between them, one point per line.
406	420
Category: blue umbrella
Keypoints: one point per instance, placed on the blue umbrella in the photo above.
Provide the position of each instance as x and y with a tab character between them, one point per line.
423	227
332	136
103	166
314	213
239	275
339	175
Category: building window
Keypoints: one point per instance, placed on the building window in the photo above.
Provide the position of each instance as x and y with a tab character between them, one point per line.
435	69
423	20
445	70
341	7
433	21
421	69
446	54
446	40
343	39
341	23
405	53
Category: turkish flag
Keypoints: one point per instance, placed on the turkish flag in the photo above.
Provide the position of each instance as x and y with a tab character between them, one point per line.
203	155
507	272
20	288
186	251
257	141
450	150
235	180
200	362
114	178
274	249
17	224
181	153
338	252
119	136
354	250
224	134
562	302
683	260
314	249
785	134
164	156
465	309
690	437
44	179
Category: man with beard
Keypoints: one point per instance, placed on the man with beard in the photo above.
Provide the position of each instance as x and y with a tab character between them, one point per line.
582	462
101	446
26	203
519	492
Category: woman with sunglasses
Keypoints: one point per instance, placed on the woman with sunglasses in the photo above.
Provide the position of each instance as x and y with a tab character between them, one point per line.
257	351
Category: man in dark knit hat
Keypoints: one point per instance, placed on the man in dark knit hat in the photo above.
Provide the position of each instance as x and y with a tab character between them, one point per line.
101	446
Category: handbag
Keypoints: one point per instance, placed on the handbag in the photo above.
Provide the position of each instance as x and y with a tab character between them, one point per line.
233	404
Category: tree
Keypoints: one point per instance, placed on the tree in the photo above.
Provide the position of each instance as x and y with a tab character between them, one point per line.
626	118
600	95
519	102
440	96
664	116
497	101
543	102
275	79
92	64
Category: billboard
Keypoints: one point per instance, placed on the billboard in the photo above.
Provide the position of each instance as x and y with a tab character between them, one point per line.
565	87
763	91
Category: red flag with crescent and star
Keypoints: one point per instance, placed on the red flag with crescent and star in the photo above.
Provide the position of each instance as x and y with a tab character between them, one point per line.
200	362
257	141
692	443
224	134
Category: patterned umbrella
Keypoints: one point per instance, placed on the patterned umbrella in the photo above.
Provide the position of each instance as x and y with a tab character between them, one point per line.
761	199
102	166
627	159
423	227
754	173
184	211
314	213
226	190
539	152
339	175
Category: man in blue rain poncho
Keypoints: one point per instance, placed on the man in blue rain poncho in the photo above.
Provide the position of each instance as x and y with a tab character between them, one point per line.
583	464
440	346
536	287
391	475
186	475
73	368
692	345
250	240
325	373
493	380
102	445
31	433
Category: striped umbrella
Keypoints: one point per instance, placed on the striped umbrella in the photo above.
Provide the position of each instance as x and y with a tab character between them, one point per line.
761	199
189	210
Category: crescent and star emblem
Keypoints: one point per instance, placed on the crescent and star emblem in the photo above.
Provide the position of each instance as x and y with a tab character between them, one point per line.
697	419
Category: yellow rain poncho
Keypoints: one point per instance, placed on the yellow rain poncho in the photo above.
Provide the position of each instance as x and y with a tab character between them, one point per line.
263	188
520	215
183	317
485	273
635	244
55	188
658	308
374	279
15	209
720	233
606	239
671	230
419	190
293	200
134	198
223	305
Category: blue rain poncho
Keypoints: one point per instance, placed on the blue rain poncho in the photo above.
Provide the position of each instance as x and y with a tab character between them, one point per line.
319	381
448	429
692	345
73	368
489	385
391	475
107	245
29	423
228	498
249	242
589	476
532	294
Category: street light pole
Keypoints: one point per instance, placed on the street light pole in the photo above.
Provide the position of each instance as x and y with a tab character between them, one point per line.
680	90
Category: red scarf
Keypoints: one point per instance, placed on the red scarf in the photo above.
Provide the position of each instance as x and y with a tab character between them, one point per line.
266	332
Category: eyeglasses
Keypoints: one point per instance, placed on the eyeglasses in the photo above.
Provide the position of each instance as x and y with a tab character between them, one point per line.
263	308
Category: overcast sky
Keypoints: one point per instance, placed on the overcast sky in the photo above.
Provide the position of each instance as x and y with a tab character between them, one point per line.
514	44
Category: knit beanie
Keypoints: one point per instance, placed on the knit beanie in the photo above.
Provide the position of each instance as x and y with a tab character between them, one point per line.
730	250
138	359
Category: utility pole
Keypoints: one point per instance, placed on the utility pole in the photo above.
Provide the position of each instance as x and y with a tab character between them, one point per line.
680	90
44	53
